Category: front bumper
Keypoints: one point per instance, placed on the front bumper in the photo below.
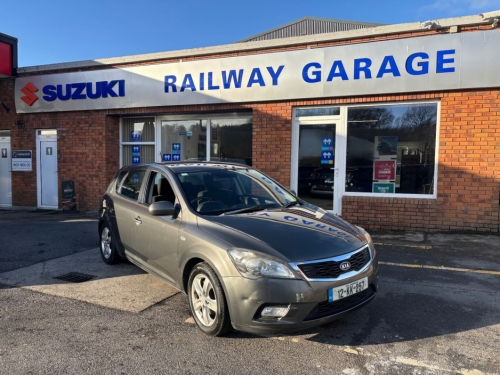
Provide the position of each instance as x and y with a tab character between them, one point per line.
307	300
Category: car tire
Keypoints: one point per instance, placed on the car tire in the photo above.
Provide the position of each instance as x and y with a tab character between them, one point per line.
107	246
207	301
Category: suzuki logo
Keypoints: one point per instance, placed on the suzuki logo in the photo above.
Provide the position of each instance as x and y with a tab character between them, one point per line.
344	266
30	97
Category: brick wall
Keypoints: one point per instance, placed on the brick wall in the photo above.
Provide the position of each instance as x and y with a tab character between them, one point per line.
469	154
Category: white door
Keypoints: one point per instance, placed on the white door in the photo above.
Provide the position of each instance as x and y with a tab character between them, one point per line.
47	169
5	172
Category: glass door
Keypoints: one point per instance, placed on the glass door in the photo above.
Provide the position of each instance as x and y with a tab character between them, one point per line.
318	154
316	164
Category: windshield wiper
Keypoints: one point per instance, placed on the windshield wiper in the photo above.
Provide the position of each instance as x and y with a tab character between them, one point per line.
249	209
290	204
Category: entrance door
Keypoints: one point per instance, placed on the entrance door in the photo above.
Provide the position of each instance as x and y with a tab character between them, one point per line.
318	156
5	172
316	164
47	169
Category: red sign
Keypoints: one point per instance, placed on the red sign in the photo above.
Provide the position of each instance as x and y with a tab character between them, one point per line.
28	90
5	59
384	170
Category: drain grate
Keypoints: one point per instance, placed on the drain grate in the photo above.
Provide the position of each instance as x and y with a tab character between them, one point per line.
75	277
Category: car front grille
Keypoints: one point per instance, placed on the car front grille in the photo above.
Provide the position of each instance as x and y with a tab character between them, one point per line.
324	309
331	269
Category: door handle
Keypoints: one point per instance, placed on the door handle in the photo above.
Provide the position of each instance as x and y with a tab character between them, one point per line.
138	220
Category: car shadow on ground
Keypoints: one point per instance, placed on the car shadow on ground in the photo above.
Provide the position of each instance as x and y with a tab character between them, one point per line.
405	312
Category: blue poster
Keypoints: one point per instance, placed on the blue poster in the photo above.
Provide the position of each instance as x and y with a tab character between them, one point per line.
176	157
136	154
327	157
167	157
176	148
135	136
327	144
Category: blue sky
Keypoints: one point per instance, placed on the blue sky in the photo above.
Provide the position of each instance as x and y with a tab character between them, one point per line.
54	31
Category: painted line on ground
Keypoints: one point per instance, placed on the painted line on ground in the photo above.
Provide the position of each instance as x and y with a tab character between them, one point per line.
443	268
423	247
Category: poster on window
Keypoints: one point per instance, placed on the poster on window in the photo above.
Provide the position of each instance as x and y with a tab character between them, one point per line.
135	136
384	170
384	187
386	147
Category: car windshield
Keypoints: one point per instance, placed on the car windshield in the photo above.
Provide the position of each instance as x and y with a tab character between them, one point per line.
218	191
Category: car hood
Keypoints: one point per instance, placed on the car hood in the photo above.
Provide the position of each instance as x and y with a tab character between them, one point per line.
297	234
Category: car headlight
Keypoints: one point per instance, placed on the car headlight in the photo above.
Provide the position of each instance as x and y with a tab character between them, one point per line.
255	265
369	240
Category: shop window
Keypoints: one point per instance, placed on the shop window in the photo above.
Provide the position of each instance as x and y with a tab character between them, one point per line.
184	140
231	140
138	140
391	149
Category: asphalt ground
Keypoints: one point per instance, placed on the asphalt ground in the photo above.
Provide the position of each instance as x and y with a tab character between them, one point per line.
437	312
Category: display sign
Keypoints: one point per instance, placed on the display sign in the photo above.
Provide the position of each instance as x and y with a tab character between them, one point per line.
136	154
384	170
167	157
22	161
68	189
384	187
68	195
135	136
386	147
419	64
176	148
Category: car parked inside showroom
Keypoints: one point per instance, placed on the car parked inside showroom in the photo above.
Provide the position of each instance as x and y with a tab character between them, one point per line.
248	253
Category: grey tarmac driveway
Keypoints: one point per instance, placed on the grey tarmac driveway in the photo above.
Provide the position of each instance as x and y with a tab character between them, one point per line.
443	319
30	237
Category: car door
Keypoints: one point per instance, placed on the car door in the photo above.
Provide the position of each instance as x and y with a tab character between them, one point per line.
156	237
125	203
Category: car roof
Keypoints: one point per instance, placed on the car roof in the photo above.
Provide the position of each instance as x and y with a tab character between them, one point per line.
181	167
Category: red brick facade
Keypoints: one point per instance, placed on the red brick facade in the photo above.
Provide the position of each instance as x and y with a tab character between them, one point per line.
468	185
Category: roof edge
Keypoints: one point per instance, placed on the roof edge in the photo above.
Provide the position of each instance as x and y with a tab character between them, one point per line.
367	24
482	19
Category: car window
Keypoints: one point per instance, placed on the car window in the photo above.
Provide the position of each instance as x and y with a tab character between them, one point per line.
119	180
159	189
212	192
131	185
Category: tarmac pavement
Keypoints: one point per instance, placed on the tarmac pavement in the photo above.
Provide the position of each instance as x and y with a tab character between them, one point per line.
437	312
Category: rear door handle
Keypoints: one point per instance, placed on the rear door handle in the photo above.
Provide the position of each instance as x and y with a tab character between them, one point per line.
138	220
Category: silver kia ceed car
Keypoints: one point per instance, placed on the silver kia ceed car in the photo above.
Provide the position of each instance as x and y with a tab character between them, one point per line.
248	253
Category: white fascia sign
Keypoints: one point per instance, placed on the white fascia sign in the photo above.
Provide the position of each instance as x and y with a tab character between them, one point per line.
430	63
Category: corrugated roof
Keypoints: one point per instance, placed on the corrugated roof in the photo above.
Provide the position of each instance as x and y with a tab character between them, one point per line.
310	26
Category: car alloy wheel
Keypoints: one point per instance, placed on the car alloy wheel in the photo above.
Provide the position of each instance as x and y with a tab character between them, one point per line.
108	250
204	300
207	301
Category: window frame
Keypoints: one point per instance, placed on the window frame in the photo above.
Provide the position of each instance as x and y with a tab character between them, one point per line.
436	156
158	118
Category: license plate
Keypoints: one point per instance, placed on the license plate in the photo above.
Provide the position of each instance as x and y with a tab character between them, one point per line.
334	294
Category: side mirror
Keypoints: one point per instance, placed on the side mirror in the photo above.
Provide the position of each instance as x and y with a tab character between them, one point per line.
293	192
163	208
